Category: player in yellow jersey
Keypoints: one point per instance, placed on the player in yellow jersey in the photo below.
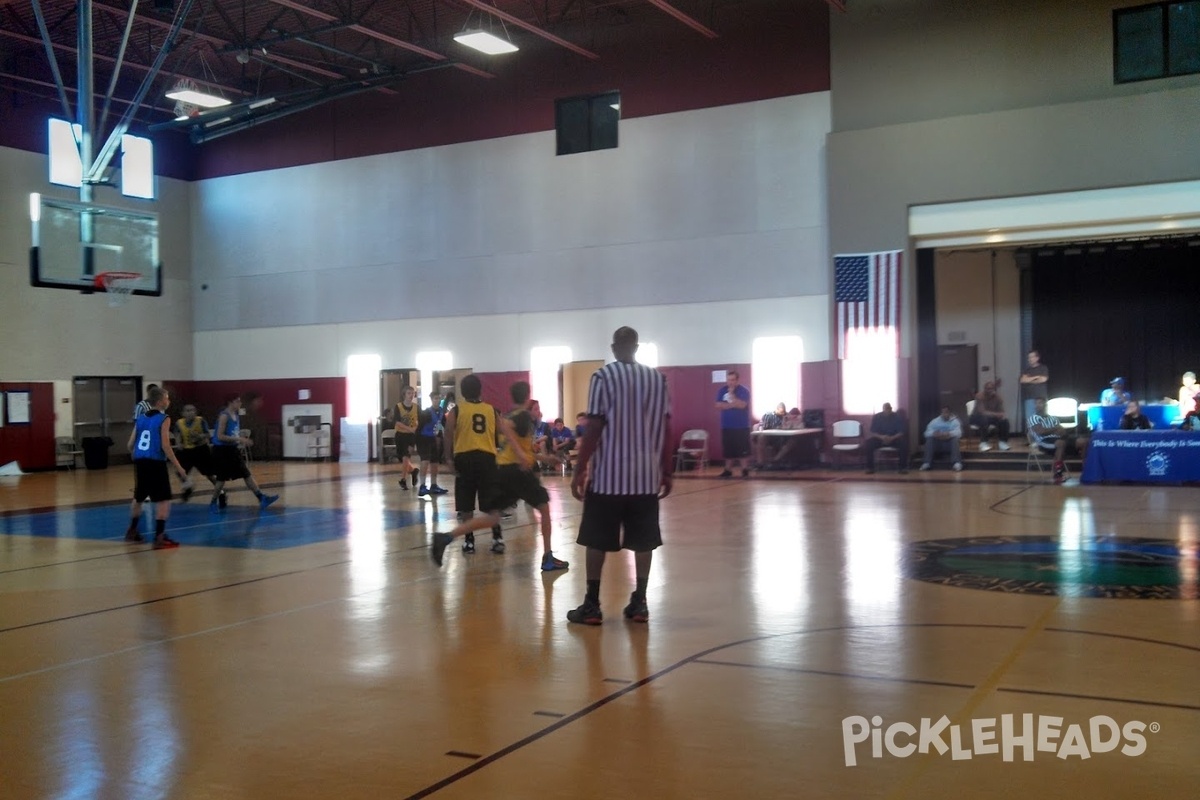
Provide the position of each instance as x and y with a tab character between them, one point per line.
194	453
514	480
404	419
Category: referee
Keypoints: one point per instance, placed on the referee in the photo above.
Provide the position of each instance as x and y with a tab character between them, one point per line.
624	469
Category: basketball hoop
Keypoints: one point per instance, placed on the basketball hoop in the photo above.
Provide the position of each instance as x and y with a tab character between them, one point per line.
118	285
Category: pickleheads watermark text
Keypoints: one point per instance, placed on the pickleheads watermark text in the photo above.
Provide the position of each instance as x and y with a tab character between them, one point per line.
1026	735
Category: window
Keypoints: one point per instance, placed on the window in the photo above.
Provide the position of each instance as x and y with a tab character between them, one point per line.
428	363
869	370
647	353
66	168
362	388
544	366
587	123
1156	41
775	368
137	167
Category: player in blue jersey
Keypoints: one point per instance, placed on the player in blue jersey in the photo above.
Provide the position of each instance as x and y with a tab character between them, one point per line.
430	429
150	444
229	464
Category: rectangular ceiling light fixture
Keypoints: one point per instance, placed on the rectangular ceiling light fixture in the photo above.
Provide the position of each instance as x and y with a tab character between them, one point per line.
485	42
196	98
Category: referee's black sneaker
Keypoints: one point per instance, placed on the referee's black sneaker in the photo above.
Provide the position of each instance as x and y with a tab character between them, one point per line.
587	614
637	611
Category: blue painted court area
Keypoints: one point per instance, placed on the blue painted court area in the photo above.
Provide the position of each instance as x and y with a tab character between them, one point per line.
194	525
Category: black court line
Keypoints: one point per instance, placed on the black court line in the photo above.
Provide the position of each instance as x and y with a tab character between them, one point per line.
996	505
834	674
1069	695
461	754
697	657
554	714
616	680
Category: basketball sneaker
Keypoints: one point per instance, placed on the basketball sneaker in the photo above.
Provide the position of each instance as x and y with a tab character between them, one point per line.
469	543
223	500
497	541
134	537
637	611
164	542
267	499
550	563
438	549
587	614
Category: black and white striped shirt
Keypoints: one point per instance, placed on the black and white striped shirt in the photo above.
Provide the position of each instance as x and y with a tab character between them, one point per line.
632	399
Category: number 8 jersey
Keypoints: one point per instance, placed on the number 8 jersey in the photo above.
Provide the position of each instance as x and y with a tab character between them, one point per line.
147	444
474	427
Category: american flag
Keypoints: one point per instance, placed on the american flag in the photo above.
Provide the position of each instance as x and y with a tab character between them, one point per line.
867	294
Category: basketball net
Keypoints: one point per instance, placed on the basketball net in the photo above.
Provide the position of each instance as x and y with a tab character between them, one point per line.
119	286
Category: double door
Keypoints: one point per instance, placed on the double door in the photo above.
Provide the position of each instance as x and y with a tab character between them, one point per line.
104	407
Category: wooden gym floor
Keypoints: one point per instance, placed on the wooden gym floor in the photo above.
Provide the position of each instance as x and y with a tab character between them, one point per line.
313	650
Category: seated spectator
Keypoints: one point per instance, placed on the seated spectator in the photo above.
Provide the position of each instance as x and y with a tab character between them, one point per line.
887	430
764	446
794	420
580	426
1133	419
1115	395
989	413
1188	390
773	420
1191	420
942	435
562	442
1049	435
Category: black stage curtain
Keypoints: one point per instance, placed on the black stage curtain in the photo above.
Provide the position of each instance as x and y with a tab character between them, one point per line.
1129	311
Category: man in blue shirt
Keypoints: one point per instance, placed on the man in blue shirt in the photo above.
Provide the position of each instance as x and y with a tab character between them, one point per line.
733	401
942	435
1116	394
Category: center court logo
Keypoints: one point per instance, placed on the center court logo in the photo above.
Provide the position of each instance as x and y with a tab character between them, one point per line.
1028	736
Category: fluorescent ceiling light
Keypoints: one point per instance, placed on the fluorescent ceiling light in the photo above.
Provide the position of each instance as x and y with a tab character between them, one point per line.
195	98
485	42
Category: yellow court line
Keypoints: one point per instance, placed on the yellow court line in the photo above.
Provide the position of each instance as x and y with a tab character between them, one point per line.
925	760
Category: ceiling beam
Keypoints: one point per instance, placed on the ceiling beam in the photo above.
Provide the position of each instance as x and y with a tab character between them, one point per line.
691	22
534	29
363	29
218	43
132	64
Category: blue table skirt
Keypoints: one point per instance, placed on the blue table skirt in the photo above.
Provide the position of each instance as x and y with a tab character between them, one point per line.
1158	456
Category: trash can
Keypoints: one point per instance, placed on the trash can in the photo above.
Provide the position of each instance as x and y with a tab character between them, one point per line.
95	451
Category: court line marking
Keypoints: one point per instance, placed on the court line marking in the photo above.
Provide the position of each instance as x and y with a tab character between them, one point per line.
696	657
925	761
949	684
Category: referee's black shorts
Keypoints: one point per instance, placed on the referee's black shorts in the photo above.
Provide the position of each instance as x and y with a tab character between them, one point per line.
607	516
151	481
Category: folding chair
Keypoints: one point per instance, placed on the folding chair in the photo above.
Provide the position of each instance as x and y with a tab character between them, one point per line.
693	446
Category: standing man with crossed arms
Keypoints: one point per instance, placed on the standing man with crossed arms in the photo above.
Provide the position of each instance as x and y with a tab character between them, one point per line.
624	469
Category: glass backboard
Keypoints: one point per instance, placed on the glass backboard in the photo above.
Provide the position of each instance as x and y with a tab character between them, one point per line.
74	242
